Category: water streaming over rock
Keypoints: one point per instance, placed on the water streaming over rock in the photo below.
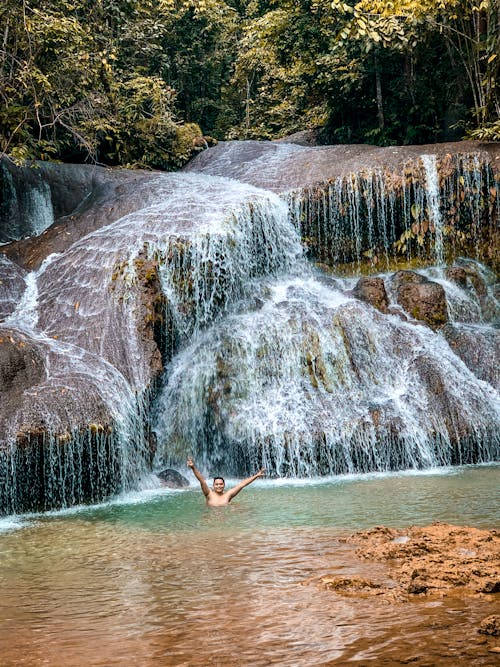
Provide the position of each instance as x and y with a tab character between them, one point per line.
314	382
193	323
413	205
89	321
433	207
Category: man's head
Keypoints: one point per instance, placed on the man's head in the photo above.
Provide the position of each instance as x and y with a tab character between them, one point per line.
218	485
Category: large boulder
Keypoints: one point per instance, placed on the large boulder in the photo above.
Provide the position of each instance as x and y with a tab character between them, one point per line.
420	297
172	478
372	290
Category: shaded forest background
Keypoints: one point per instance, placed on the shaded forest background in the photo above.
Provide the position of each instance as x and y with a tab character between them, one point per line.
137	82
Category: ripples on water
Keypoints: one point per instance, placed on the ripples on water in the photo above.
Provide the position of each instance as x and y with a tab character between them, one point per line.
157	579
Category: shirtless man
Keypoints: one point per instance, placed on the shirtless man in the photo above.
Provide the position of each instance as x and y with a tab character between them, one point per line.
217	497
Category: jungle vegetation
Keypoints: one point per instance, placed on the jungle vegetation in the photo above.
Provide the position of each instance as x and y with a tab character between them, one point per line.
134	82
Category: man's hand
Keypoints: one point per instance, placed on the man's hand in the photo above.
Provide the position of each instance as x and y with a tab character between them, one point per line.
190	463
261	473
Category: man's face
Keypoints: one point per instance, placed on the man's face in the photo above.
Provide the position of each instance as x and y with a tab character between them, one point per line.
218	486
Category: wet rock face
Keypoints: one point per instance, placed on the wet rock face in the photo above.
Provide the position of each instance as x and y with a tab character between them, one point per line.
107	325
12	285
21	365
57	432
83	198
372	290
421	298
456	274
18	189
477	348
153	327
482	285
31	401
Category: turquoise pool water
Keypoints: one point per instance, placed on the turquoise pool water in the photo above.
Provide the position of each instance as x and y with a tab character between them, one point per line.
156	579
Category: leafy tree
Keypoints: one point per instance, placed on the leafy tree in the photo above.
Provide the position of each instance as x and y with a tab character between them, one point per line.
114	80
198	49
74	84
277	74
470	38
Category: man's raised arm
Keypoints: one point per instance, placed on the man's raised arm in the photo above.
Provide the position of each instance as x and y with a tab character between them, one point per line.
199	477
245	482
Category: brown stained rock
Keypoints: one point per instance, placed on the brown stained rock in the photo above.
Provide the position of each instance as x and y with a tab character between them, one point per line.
416	588
490	626
439	559
491	587
372	291
153	310
456	274
423	299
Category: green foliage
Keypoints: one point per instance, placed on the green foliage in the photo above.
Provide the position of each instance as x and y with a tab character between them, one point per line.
131	81
488	132
466	34
278	70
73	92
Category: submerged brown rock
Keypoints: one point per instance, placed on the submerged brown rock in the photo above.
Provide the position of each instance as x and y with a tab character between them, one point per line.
437	566
439	560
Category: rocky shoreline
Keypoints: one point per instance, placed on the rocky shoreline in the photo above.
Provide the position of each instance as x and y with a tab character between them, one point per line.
424	564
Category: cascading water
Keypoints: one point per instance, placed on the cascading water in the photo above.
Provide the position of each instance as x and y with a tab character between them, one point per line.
356	218
83	318
267	362
29	210
315	382
433	209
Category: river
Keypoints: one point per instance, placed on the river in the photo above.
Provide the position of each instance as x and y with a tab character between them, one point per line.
155	578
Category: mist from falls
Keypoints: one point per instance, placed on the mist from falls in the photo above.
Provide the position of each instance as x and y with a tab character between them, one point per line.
267	359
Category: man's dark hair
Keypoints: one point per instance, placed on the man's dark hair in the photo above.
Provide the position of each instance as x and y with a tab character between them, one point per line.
222	478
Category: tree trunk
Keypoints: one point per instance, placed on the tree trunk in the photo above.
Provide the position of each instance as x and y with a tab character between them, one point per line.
380	103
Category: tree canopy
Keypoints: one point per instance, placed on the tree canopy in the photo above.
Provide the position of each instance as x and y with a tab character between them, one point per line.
131	82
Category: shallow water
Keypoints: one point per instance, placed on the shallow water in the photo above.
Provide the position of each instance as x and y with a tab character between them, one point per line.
157	579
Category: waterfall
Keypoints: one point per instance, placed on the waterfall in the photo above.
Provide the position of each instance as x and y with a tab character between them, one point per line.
314	382
433	208
224	320
357	218
86	323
